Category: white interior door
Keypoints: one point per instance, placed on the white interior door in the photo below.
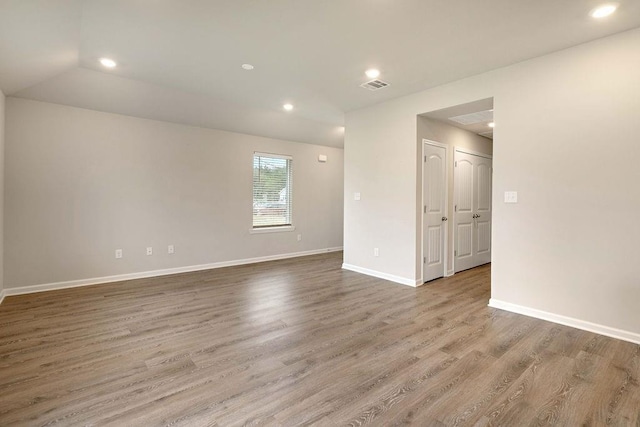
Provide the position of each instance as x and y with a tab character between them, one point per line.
472	210
434	212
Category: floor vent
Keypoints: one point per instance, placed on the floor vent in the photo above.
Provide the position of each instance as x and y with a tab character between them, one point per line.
374	84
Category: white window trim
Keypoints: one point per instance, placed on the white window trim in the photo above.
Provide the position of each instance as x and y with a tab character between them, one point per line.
275	156
274	229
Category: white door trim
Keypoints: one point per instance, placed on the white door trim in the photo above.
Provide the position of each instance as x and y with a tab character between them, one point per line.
473	153
446	207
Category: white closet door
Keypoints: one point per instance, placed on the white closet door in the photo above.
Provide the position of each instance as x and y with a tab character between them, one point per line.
473	210
434	187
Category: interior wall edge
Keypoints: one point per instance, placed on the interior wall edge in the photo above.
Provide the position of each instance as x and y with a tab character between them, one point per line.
380	275
3	113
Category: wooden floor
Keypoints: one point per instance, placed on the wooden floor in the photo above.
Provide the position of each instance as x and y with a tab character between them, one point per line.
300	342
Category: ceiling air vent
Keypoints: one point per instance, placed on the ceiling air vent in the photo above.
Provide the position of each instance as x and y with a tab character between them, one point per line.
374	84
473	118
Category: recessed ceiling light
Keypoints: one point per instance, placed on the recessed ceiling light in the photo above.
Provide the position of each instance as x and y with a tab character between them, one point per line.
247	67
492	124
288	107
109	63
372	73
604	10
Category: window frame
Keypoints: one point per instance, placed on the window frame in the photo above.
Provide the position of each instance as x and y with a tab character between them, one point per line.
258	229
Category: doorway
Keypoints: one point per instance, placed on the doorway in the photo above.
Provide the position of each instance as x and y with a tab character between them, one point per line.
447	242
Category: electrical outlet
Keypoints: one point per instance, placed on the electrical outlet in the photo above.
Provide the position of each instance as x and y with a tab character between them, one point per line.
118	253
299	237
376	252
149	250
171	249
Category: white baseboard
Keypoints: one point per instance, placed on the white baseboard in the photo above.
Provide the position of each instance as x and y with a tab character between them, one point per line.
156	273
450	273
567	321
385	276
2	295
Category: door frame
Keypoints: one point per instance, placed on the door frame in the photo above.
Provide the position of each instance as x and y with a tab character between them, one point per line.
473	153
446	206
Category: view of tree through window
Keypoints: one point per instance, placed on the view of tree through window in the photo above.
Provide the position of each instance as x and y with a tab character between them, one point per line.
271	190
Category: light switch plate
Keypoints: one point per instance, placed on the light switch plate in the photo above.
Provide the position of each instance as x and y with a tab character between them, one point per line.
356	196
511	197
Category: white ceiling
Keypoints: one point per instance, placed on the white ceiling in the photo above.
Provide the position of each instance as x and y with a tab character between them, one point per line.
179	60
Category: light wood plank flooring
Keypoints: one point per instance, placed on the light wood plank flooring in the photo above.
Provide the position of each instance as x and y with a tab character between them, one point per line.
300	342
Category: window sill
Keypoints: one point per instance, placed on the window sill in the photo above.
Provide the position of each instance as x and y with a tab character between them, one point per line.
279	229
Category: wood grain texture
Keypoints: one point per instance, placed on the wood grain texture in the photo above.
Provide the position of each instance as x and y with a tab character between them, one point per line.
302	342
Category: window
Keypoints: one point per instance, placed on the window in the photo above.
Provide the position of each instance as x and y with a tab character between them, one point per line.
272	178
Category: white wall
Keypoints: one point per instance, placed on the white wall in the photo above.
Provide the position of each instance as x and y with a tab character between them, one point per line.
81	183
453	137
566	138
2	132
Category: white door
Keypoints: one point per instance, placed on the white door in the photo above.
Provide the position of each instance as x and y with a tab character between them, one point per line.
434	211
472	210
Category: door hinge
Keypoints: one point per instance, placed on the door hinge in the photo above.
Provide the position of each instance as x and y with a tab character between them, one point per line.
455	253
456	208
425	208
424	260
456	164
425	159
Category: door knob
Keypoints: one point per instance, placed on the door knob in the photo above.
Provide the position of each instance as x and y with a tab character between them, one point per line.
444	218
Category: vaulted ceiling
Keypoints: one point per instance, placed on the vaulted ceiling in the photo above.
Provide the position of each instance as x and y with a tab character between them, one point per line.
180	60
